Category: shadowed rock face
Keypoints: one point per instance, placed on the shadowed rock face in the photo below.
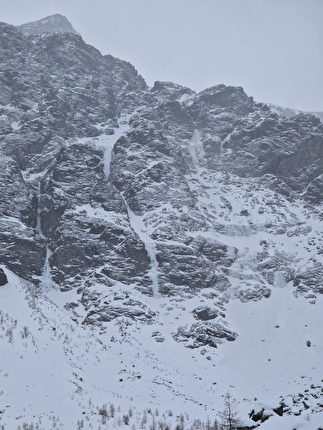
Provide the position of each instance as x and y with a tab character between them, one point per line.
3	278
58	88
202	190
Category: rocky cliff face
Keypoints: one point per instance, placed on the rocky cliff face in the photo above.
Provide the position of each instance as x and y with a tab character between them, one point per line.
105	181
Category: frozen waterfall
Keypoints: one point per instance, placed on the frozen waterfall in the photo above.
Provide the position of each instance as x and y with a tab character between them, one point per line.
108	142
139	227
279	279
196	149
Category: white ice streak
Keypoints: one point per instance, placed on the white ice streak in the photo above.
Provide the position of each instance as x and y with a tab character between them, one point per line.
15	125
139	227
151	250
196	149
38	228
47	282
279	279
108	143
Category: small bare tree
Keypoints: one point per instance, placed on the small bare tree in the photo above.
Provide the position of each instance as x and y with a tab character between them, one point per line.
229	416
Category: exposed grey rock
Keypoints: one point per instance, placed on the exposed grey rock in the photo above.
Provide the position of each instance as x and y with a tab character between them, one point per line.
205	313
309	279
255	293
122	306
109	313
314	190
3	277
157	335
204	333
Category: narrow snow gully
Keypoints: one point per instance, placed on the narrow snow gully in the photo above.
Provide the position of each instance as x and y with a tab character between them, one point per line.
196	149
108	142
279	280
136	221
46	281
139	227
38	228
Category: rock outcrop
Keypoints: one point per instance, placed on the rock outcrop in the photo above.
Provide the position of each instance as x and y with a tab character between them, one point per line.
3	277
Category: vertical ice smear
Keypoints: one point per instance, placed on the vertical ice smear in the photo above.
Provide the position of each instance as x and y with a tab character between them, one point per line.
151	250
108	143
47	283
38	228
279	280
138	225
196	149
136	221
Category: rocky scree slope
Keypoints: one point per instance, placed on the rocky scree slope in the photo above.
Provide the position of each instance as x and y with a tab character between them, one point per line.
106	181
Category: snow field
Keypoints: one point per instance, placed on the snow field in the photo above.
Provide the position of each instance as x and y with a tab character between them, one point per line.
58	368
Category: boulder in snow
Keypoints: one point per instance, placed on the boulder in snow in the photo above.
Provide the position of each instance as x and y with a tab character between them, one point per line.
3	277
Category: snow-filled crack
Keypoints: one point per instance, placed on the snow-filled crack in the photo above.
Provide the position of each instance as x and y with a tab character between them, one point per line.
138	226
196	149
108	143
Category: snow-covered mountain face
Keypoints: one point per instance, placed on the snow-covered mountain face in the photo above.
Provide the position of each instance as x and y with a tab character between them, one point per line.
180	227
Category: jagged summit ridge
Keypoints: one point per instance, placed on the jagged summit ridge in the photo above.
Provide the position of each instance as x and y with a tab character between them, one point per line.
288	112
52	24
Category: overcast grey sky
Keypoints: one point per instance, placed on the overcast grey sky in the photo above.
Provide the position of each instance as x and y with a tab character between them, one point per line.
272	48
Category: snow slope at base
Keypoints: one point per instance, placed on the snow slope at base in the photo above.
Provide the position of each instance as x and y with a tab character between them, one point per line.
270	360
271	334
306	421
65	370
